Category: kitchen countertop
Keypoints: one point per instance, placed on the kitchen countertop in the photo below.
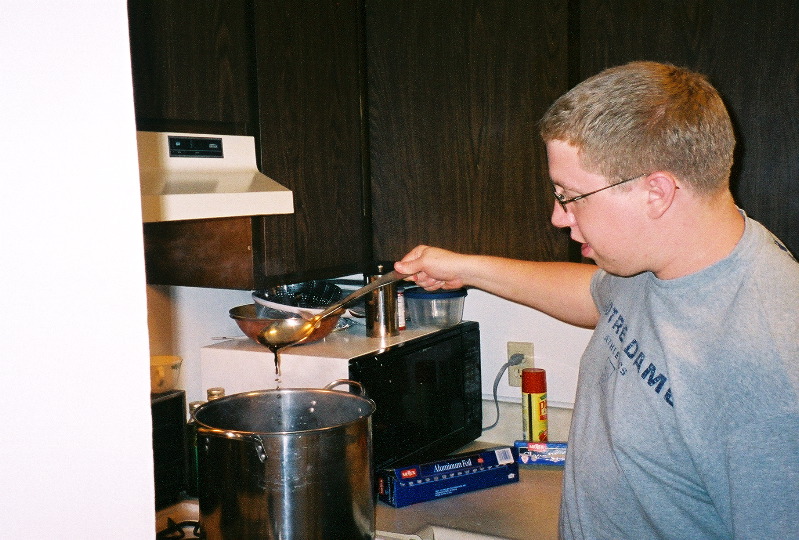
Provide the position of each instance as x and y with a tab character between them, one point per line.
525	509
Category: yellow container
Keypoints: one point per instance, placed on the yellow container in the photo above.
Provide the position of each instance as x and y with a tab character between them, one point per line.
164	372
534	404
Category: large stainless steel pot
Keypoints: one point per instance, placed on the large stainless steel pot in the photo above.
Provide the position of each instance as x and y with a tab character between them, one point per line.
286	464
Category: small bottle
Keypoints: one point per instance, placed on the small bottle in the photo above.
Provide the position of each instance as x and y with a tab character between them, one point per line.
215	393
191	448
534	404
400	309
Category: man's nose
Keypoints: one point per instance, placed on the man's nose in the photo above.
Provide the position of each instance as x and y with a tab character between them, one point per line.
561	218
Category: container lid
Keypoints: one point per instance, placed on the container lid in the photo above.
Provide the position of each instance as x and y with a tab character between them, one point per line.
534	381
440	294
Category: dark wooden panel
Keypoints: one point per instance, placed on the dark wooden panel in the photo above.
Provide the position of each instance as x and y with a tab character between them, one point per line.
455	93
309	91
213	253
750	52
192	65
193	71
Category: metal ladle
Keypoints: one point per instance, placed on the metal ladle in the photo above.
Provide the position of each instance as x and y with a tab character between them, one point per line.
285	332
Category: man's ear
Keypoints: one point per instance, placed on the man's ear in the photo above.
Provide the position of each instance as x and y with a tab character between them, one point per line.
662	188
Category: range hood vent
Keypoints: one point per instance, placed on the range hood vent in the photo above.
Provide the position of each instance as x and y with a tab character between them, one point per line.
189	176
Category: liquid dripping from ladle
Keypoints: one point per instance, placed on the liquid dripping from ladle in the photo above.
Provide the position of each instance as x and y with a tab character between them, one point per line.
276	352
276	344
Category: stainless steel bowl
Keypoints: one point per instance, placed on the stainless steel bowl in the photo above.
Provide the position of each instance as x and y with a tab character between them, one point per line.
252	324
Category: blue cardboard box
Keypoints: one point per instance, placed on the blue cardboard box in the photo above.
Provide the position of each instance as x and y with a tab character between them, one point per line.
541	453
460	473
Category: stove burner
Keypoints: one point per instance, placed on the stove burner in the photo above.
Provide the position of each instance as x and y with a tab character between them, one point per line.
176	530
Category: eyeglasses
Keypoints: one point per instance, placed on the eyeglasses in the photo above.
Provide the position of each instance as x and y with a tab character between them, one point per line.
564	201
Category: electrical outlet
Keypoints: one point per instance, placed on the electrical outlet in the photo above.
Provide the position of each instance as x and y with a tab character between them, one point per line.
515	372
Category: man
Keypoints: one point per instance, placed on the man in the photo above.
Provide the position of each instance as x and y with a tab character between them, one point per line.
686	420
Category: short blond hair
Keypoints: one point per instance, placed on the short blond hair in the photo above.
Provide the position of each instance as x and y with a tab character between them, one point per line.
646	116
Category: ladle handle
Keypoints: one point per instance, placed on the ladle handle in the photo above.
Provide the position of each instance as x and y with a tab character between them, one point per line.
385	279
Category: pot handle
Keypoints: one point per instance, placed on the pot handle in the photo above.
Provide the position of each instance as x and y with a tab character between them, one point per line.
350	382
247	437
251	438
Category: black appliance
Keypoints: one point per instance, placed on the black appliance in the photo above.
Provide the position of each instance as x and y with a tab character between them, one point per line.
169	446
428	395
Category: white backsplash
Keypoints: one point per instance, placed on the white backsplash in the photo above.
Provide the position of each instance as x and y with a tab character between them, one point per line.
184	319
509	428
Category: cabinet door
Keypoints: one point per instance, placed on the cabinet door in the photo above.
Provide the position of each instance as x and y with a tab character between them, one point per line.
750	53
193	67
216	253
455	93
309	95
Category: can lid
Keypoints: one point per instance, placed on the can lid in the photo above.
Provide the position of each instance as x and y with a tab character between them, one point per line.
194	405
215	393
534	381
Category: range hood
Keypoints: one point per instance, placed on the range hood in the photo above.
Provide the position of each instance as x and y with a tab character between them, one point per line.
190	176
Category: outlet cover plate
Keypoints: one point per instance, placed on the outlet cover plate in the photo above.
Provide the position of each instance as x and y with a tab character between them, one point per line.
515	372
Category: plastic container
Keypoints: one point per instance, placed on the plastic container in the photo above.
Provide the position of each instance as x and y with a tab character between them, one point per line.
164	371
441	308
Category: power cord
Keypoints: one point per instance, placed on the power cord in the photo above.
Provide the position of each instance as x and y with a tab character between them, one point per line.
514	360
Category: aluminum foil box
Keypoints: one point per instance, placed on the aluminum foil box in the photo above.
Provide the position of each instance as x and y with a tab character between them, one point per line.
460	473
541	453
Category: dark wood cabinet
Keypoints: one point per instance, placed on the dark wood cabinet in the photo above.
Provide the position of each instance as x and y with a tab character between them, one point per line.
193	66
398	123
750	53
215	253
309	73
286	74
455	91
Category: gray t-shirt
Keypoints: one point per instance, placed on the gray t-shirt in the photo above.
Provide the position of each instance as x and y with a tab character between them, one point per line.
686	422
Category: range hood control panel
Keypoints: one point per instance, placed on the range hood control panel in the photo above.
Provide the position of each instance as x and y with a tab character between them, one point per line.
207	147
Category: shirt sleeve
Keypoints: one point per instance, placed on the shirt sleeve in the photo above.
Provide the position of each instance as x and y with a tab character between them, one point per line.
763	465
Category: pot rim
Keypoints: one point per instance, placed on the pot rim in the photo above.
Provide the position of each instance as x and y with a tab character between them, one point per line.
207	429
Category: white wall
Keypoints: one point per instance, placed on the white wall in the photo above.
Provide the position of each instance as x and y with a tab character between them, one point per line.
75	449
183	319
557	346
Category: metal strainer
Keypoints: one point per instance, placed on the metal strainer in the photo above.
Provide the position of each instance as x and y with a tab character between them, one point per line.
309	297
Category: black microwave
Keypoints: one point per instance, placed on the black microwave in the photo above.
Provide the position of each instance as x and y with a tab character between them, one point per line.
427	393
